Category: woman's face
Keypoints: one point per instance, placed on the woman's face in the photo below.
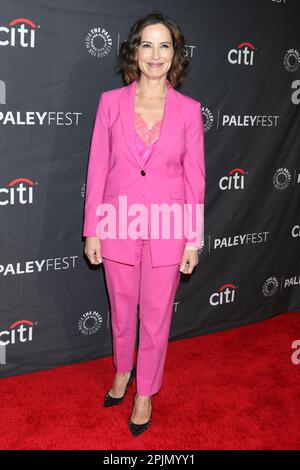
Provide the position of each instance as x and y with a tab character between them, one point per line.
155	48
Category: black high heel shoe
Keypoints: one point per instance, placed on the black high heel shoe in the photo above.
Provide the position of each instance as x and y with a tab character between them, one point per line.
111	401
137	429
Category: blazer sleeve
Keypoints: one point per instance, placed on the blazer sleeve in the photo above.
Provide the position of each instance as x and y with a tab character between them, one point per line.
98	167
194	179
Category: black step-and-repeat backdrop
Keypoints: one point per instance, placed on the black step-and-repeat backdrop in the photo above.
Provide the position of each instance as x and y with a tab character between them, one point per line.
56	59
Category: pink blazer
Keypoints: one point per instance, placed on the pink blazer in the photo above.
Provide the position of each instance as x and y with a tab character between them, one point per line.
174	172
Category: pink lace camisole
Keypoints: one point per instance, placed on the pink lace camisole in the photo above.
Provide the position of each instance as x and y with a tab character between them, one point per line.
149	136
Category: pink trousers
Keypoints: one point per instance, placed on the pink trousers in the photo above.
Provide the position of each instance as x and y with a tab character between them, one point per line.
153	289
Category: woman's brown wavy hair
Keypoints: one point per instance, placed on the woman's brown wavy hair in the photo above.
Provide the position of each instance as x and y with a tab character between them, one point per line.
128	66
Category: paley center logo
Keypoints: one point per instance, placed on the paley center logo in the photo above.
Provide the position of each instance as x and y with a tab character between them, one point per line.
90	323
291	60
242	55
98	42
272	284
208	118
18	191
19	32
283	177
20	331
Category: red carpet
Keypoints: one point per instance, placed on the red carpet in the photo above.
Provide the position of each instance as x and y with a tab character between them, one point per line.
235	389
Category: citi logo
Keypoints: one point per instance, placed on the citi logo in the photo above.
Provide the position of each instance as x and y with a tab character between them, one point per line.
19	191
296	231
234	180
244	54
20	331
225	295
21	32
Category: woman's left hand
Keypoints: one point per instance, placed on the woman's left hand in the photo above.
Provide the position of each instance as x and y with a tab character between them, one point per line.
189	260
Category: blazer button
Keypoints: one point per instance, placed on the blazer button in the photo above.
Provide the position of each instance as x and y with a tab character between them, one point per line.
143	173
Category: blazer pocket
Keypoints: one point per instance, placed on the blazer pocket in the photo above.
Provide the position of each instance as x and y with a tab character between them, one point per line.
177	191
111	188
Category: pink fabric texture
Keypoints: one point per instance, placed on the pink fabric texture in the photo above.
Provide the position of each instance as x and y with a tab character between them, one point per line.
145	140
115	165
129	286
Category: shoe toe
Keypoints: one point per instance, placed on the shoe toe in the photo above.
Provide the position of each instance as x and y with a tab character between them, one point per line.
111	401
137	429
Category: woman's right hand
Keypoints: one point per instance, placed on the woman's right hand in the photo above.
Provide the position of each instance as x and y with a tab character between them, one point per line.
93	250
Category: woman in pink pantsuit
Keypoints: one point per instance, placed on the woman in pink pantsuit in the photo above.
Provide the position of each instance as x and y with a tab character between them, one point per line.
147	150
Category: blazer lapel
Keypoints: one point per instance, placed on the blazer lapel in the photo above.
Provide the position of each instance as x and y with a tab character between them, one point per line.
169	122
